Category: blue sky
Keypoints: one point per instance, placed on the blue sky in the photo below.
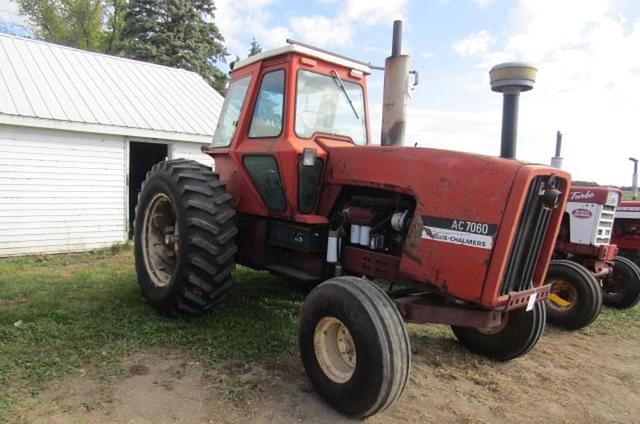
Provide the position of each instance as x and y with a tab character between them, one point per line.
587	53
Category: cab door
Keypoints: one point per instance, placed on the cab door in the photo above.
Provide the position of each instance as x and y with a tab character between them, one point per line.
259	150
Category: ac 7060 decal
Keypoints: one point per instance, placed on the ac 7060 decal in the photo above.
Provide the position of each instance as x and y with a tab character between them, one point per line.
459	231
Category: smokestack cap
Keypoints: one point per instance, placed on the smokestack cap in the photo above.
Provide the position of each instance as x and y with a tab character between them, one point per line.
512	77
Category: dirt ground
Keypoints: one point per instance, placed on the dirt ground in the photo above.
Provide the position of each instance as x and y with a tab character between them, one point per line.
567	378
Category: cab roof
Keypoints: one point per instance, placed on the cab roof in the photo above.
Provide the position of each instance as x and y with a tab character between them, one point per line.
307	51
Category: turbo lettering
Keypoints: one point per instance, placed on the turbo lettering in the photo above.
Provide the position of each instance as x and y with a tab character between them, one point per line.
580	195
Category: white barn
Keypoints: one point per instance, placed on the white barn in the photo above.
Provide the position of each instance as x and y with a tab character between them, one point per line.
78	132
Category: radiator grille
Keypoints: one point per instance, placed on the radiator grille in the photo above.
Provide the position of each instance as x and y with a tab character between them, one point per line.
529	238
605	224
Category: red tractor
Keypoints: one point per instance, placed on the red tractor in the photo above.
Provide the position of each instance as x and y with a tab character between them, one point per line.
586	271
626	230
300	190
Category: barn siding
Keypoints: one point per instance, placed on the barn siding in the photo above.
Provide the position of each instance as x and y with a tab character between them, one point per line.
181	150
60	191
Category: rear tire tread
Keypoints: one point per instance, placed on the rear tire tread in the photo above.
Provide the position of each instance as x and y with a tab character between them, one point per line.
209	236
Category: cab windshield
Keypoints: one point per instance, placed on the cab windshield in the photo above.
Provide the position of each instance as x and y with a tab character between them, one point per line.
330	105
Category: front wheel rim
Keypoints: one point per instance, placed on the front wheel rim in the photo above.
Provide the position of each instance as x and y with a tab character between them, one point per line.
563	295
334	349
160	246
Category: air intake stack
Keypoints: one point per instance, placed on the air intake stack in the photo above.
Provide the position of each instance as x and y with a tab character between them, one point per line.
556	161
396	92
511	79
634	183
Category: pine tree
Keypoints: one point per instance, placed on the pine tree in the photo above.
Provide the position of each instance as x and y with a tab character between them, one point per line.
255	48
179	33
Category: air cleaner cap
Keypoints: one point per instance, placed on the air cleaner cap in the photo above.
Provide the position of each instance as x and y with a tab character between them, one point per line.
512	77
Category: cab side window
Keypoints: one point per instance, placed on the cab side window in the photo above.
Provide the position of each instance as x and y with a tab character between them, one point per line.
269	109
230	114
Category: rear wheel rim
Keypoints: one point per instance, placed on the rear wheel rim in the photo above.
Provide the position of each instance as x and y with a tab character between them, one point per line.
563	296
335	349
613	287
160	247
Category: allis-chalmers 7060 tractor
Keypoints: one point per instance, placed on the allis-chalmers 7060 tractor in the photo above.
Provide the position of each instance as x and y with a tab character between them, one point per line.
586	270
300	190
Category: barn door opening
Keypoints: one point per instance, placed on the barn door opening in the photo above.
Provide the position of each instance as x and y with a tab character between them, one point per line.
142	156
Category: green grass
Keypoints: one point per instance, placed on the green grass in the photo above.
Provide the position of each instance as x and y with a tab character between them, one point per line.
60	314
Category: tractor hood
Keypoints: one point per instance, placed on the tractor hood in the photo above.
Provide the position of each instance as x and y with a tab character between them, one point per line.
462	202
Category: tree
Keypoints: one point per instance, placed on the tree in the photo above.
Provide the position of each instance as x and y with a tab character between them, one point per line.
179	33
85	24
255	48
116	13
75	23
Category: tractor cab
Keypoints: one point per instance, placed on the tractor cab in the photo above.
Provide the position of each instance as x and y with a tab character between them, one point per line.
279	104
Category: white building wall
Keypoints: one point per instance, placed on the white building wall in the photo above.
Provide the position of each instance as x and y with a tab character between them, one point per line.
60	191
184	150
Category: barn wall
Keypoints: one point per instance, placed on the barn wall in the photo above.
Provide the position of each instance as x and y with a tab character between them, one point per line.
182	150
60	191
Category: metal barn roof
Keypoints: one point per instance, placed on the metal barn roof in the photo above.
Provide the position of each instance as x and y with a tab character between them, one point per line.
50	86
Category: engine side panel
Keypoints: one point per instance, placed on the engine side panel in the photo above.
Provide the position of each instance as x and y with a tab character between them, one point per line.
460	205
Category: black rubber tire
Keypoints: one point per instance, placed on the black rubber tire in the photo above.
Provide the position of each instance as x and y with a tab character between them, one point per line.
621	289
381	341
632	255
588	302
207	230
521	333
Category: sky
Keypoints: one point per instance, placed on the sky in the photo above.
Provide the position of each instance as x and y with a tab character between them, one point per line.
587	53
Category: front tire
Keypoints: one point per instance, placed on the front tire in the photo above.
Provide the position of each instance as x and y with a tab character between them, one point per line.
184	238
575	300
621	288
518	334
354	346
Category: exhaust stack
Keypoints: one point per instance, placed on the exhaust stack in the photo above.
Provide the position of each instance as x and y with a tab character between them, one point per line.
511	79
396	92
556	161
634	184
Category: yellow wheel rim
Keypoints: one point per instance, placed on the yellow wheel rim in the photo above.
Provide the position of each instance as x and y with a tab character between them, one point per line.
563	295
335	349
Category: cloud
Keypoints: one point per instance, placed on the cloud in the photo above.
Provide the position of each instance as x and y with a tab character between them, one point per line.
240	20
482	3
9	12
588	80
321	31
474	44
336	28
372	12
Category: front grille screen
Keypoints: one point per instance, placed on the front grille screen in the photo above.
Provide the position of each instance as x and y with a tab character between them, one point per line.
530	236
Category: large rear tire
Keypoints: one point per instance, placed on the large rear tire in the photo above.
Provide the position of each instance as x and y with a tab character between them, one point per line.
518	334
632	255
575	300
184	238
621	288
354	346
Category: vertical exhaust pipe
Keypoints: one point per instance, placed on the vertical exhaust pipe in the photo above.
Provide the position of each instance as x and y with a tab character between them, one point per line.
634	183
511	79
396	92
556	161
